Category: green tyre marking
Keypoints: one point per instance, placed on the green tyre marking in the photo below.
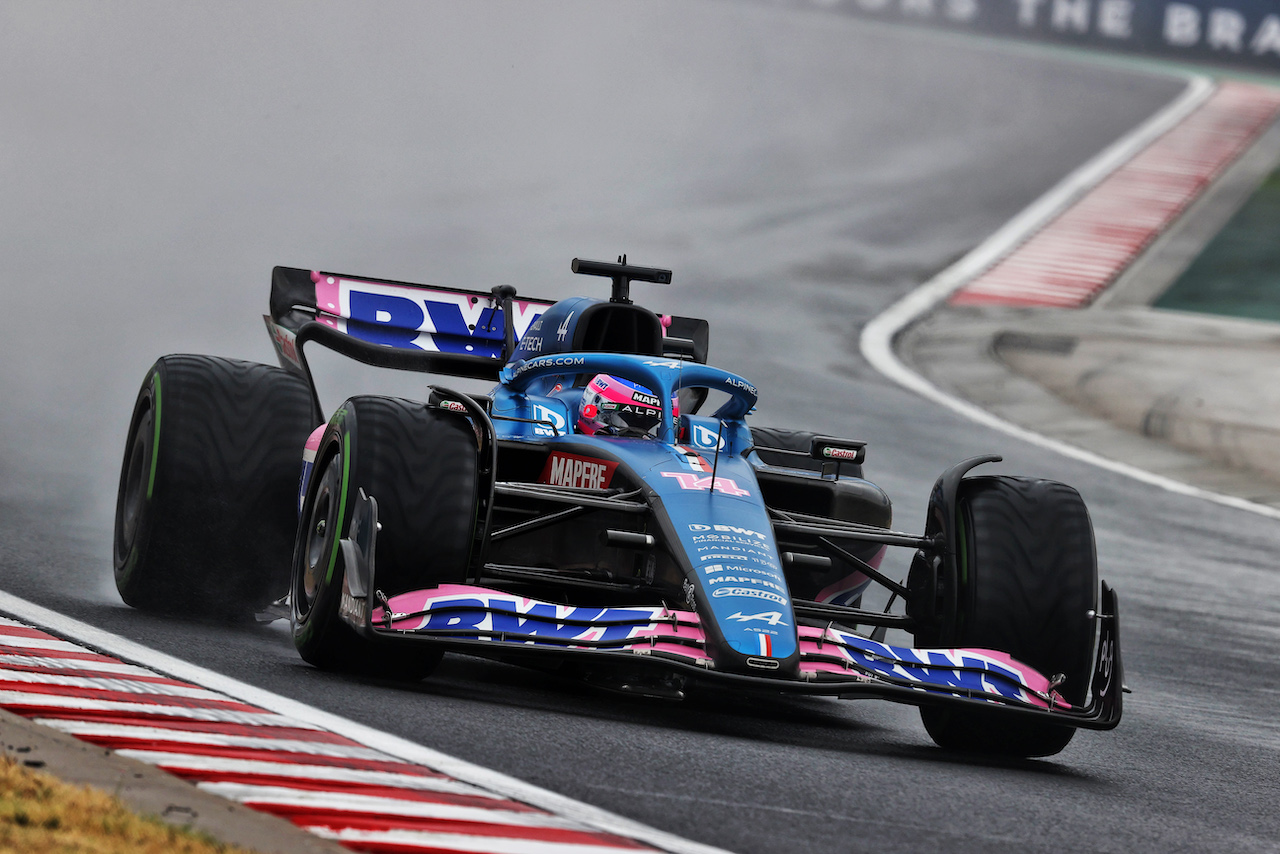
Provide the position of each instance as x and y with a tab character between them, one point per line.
342	507
309	628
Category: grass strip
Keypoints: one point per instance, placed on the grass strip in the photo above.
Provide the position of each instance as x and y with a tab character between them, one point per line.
1238	273
40	814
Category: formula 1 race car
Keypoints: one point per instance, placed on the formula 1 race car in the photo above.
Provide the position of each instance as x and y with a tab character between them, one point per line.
605	508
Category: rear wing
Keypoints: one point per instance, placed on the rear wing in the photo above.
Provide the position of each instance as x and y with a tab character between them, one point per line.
434	329
397	325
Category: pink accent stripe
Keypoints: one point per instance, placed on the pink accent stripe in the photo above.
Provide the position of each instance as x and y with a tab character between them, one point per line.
824	667
328	298
106	702
851	581
1082	252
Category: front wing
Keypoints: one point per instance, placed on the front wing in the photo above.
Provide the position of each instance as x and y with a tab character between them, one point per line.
833	661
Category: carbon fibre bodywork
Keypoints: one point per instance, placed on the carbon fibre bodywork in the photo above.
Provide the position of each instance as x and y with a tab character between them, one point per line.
697	553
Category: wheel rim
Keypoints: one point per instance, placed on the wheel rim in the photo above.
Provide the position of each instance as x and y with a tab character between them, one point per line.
321	536
135	483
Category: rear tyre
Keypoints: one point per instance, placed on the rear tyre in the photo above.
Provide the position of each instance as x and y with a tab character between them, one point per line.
1028	578
421	465
207	501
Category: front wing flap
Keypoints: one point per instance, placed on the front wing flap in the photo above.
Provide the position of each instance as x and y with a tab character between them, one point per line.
833	660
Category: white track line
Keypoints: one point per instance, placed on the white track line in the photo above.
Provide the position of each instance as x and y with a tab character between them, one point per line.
878	336
394	746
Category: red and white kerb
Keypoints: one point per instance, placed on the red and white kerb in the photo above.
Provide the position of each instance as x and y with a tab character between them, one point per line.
321	781
1082	252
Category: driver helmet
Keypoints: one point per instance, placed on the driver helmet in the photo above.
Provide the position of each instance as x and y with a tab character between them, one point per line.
612	406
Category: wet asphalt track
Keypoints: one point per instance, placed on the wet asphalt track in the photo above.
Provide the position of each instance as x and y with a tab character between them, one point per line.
798	172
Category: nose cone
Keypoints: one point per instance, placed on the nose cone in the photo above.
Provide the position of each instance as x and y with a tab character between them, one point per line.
753	618
741	592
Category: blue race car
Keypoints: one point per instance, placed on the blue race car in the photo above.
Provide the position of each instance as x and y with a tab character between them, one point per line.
605	507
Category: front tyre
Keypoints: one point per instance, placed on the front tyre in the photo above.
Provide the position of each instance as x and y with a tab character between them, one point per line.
206	506
421	465
1028	578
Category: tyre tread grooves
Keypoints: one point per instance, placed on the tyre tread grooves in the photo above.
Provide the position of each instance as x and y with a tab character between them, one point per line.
1032	564
224	504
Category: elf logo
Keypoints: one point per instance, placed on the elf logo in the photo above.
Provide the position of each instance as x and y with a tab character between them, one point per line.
287	343
577	472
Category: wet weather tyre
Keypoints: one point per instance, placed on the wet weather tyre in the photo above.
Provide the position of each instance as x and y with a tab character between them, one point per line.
1028	580
207	503
421	466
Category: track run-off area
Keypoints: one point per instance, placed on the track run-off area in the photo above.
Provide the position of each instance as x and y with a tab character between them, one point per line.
800	173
